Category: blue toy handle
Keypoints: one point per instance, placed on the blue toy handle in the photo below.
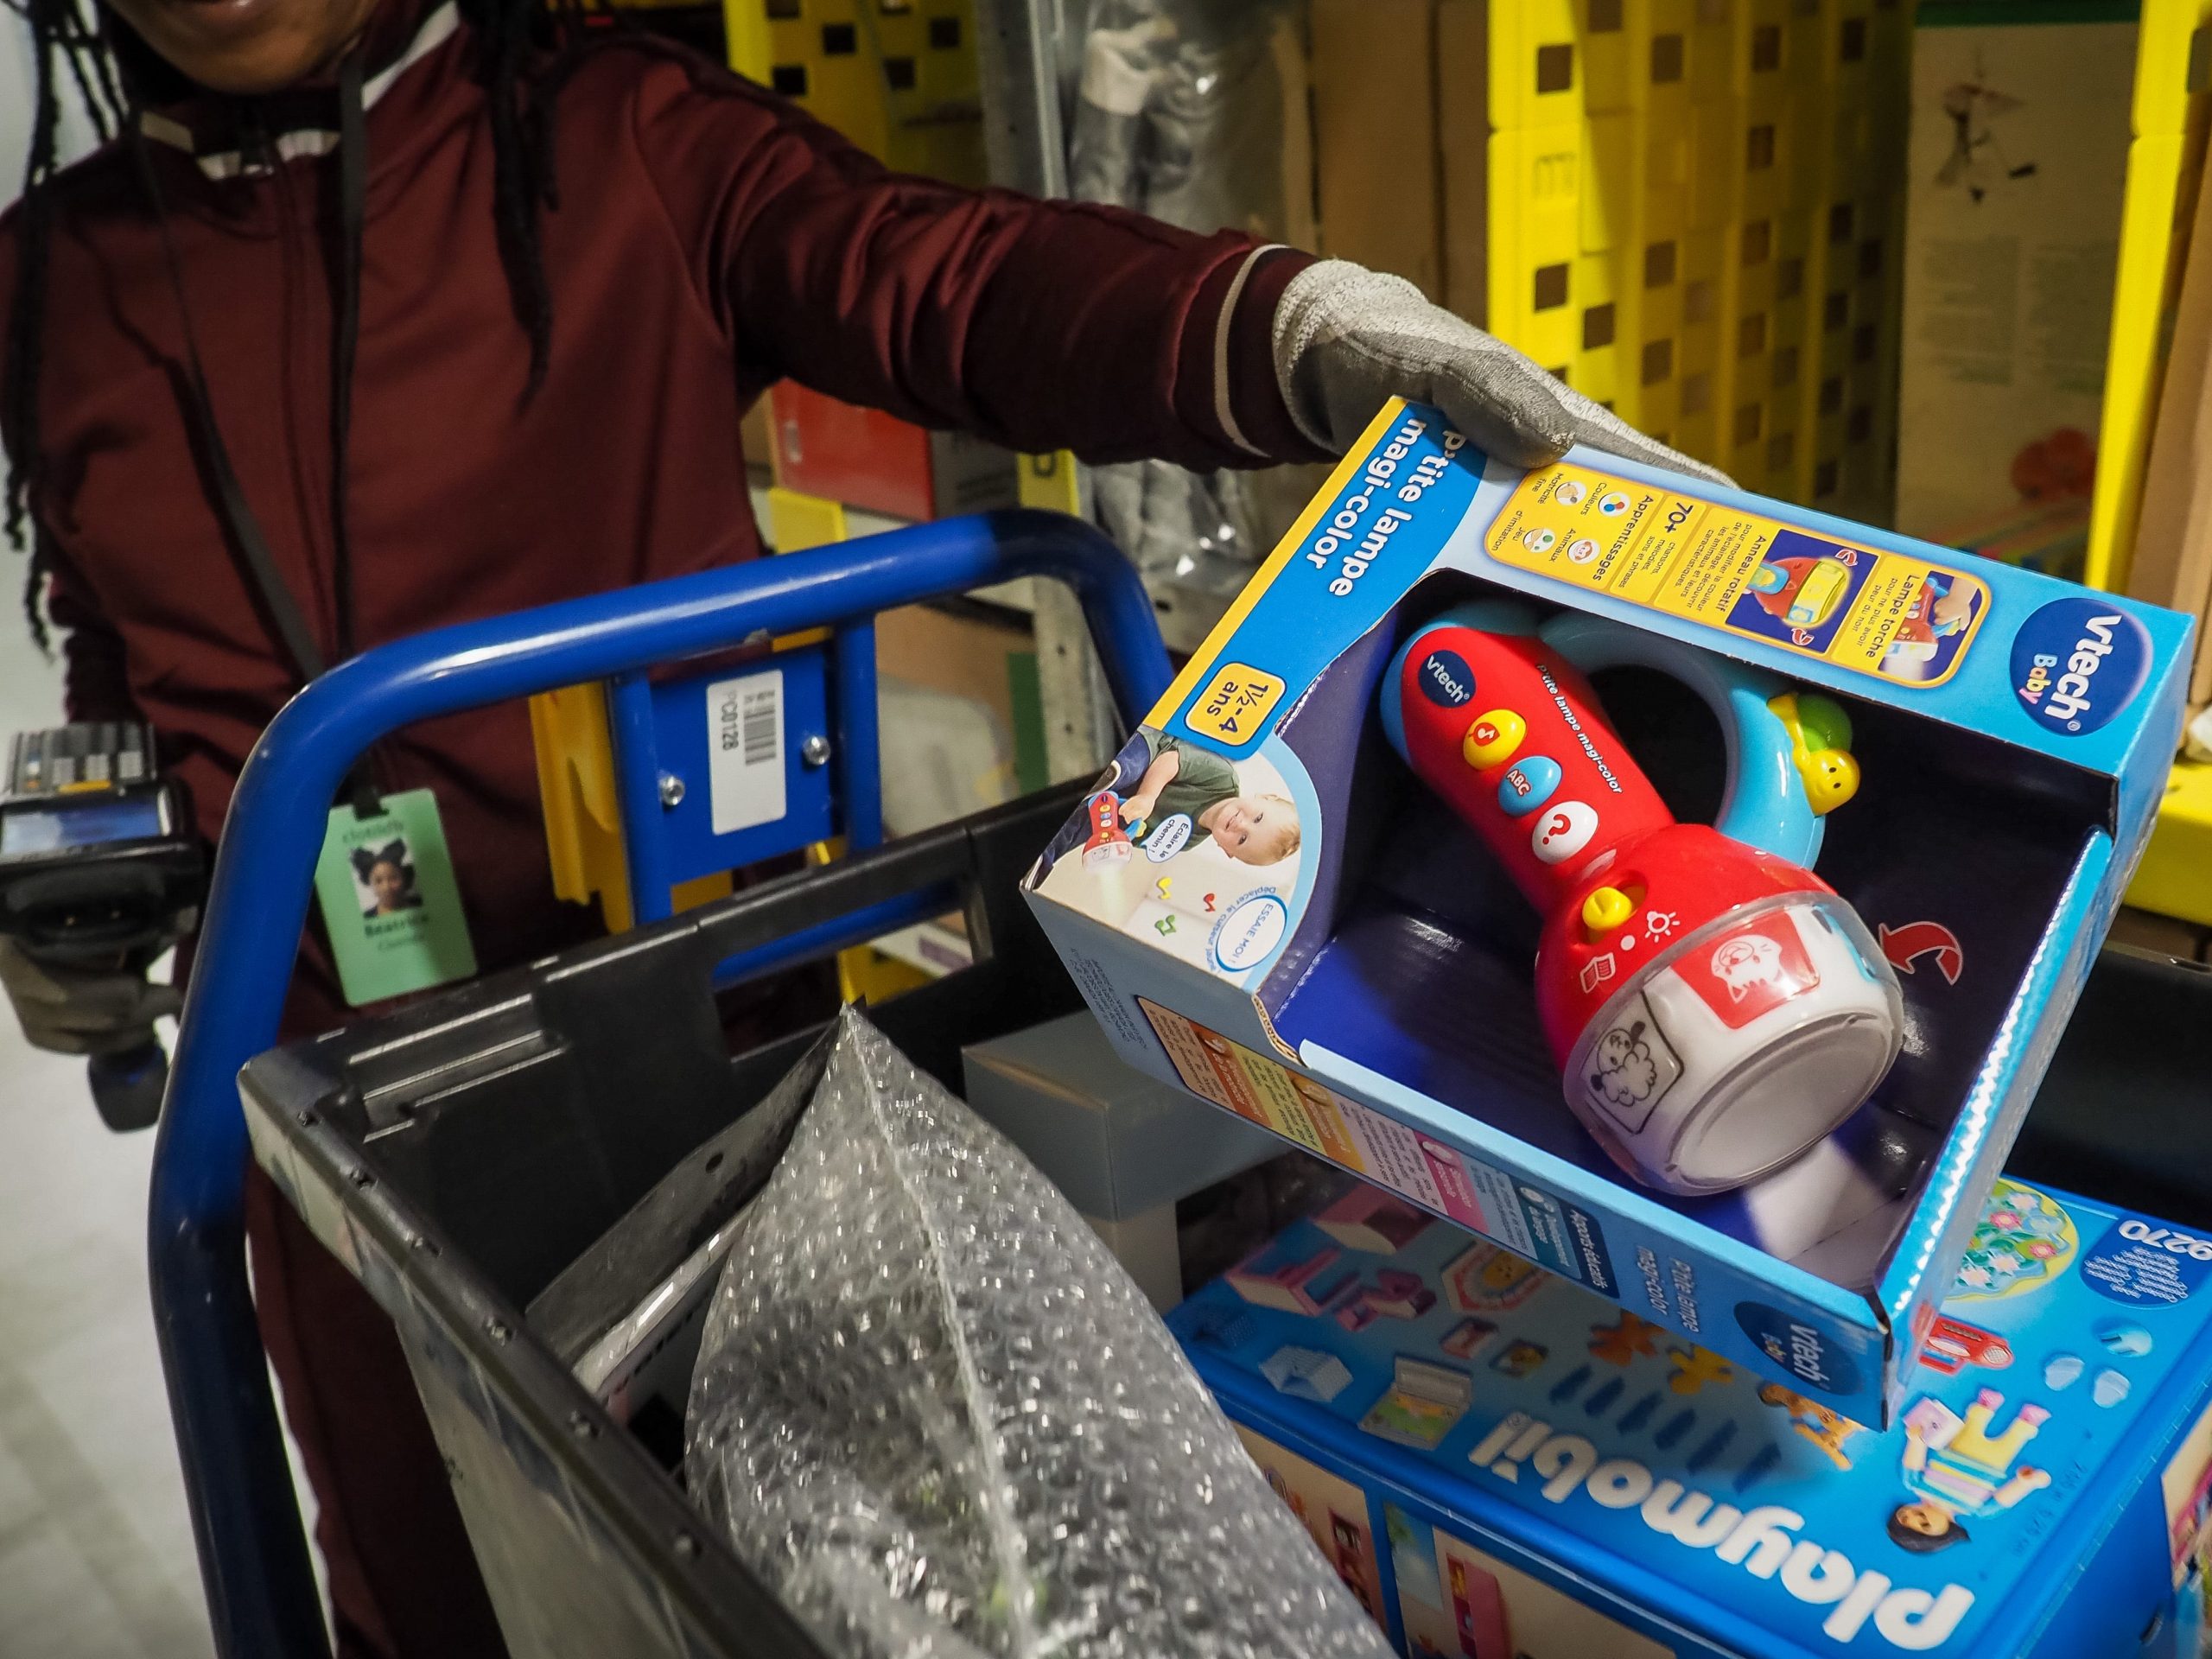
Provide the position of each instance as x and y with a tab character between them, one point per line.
1765	804
253	1555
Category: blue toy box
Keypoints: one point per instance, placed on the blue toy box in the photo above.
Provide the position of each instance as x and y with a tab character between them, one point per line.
1359	979
1504	1466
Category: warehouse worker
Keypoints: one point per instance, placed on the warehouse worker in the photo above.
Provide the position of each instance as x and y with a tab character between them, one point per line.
382	315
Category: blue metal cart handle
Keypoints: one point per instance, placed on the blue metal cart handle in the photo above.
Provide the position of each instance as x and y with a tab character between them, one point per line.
253	1554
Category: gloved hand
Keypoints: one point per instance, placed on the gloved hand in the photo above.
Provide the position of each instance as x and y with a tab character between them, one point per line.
68	1010
1348	338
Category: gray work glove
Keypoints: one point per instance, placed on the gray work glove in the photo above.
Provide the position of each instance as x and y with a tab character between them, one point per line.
68	1009
1348	338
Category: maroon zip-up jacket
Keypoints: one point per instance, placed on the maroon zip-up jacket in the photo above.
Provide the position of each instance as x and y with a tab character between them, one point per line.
710	240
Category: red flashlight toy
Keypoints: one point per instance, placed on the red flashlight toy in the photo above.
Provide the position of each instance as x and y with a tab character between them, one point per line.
1715	1006
1109	843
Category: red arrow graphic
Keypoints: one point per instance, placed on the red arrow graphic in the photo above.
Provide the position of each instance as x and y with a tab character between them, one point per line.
1905	945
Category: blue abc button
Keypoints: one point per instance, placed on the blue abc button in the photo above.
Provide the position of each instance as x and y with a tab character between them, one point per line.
1528	785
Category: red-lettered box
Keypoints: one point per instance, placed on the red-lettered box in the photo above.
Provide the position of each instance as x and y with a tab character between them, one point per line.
875	462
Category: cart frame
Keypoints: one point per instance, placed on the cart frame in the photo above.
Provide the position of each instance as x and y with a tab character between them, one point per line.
253	1552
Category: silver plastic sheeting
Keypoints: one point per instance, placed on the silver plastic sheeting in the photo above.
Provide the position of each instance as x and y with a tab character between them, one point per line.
937	1416
1180	112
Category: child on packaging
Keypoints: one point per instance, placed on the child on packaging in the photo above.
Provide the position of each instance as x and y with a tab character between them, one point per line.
1176	795
1180	781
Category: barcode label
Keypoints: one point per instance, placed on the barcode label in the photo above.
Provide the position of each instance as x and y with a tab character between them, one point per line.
745	735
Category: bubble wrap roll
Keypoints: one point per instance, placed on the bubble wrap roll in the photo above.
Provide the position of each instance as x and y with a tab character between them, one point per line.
936	1415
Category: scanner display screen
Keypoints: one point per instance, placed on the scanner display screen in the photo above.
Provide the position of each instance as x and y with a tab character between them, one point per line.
90	823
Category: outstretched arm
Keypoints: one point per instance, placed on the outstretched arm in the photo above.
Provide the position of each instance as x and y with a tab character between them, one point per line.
1164	769
1039	325
1063	325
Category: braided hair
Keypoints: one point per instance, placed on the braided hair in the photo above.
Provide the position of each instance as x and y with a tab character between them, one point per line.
525	51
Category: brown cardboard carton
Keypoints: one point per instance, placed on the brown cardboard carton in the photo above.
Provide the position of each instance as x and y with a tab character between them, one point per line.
1374	68
1463	144
2173	559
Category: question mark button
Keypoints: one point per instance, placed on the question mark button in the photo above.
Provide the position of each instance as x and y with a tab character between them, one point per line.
1562	830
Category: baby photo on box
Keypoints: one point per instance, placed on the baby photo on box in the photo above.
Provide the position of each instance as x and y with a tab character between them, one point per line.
1175	840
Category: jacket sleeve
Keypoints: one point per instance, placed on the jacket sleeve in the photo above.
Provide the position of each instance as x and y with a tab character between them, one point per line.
93	683
94	686
1039	325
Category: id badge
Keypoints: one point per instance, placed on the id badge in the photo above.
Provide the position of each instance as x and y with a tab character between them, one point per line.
390	902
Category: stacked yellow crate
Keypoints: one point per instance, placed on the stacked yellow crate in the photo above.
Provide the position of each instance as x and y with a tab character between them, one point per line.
1693	211
897	77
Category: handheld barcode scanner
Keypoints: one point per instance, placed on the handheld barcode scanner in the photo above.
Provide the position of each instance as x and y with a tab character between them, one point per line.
1716	1008
99	867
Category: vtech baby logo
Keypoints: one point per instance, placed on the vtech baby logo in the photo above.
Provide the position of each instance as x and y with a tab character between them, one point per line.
2076	663
1807	1353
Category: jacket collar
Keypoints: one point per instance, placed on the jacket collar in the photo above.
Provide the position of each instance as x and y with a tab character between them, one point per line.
232	138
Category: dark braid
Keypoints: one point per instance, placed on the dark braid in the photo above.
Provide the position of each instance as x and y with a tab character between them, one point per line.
526	51
519	165
59	30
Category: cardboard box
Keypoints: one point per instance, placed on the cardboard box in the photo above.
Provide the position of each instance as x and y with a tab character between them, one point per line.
1369	995
756	433
2146	929
1114	1139
1124	1148
1463	152
2172	560
870	460
1499	1462
2016	167
963	722
1375	136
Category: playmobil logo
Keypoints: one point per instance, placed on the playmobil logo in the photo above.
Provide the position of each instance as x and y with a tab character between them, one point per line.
2078	662
1763	1540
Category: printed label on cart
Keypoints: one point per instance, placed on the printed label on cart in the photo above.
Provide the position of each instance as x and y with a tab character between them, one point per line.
1524	1218
1884	613
745	765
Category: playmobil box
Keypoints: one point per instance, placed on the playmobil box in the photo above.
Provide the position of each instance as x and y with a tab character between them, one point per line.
1502	1464
1410	866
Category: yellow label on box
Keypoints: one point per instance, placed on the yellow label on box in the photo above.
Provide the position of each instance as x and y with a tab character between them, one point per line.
1888	615
1235	703
1253	1086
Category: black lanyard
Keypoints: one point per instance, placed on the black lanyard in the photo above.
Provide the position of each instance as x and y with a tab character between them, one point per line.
283	610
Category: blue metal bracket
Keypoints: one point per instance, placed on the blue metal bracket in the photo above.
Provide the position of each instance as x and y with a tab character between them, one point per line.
261	1594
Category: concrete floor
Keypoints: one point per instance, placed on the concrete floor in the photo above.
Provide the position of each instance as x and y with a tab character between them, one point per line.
96	1555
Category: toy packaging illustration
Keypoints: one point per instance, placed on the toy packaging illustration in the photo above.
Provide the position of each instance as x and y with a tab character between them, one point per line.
1534	1471
1644	875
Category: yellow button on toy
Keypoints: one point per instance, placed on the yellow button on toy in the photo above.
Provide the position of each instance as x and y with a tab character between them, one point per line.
1492	740
1607	909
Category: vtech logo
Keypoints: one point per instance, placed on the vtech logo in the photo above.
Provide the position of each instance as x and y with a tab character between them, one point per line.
2076	663
1446	679
1807	1353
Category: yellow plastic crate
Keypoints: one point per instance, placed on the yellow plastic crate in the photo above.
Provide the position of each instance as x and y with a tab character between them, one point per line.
2163	162
897	77
2175	878
1662	177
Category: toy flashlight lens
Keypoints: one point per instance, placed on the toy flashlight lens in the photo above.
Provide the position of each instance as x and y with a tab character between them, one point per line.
1741	1046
